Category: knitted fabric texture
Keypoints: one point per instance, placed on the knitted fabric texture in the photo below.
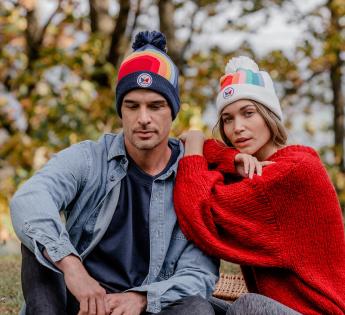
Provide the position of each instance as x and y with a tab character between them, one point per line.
284	228
244	80
149	67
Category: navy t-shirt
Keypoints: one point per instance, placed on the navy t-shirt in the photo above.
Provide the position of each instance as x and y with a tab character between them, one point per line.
120	261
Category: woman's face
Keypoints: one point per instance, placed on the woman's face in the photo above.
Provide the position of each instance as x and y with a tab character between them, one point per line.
247	130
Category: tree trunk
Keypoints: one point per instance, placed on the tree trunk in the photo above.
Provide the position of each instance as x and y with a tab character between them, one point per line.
338	104
94	18
33	41
100	20
336	85
166	19
34	35
118	38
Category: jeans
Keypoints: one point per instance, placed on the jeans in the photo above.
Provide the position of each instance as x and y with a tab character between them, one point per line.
251	304
45	293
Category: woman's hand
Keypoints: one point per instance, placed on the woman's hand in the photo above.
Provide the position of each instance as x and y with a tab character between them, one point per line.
193	142
247	165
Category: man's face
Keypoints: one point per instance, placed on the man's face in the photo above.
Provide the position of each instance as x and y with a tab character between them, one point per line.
146	120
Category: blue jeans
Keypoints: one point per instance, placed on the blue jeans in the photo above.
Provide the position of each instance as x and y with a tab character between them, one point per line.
45	293
251	304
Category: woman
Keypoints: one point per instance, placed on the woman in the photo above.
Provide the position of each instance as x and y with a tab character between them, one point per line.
283	225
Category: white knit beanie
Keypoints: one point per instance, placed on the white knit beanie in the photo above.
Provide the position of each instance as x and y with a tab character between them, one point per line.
244	80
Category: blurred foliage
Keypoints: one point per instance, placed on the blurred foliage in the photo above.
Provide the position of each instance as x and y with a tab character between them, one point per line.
57	87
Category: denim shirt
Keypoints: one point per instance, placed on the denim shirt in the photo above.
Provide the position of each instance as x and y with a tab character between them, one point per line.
83	182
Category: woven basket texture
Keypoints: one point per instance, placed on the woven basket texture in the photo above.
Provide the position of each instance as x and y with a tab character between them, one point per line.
230	287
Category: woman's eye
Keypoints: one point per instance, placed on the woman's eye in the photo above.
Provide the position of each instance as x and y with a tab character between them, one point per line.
248	114
227	120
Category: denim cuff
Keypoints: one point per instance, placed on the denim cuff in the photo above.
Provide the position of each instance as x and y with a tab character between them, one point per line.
153	300
153	303
56	249
60	249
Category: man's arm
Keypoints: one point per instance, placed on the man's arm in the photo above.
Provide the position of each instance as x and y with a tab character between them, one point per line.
85	289
35	206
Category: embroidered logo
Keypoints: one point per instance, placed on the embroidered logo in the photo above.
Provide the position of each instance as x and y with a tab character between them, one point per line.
144	80
229	91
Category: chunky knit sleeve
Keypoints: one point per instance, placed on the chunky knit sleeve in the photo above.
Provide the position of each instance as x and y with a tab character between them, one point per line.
235	222
220	156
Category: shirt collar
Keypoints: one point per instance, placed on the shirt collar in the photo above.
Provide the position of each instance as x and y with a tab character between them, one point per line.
117	149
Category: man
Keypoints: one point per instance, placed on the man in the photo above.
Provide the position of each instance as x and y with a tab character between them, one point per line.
121	250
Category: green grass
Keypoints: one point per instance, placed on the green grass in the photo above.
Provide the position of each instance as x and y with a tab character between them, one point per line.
228	267
10	289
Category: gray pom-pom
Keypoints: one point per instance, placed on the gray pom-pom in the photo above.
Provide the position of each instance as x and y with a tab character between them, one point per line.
153	38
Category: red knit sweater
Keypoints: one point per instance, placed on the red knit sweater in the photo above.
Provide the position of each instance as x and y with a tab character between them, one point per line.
284	228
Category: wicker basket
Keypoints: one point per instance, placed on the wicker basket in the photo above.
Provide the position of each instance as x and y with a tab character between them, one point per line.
230	287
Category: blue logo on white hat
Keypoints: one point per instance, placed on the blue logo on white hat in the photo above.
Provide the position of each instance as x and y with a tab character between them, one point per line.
229	91
144	80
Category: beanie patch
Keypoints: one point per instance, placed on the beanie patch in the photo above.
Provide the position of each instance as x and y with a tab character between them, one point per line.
144	80
228	92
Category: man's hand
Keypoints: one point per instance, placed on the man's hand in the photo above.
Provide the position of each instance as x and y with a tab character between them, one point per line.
247	165
128	303
86	290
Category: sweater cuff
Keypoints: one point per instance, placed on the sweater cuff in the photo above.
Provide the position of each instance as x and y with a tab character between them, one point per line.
192	163
220	156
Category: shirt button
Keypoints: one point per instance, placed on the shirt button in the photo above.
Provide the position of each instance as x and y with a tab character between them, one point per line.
112	177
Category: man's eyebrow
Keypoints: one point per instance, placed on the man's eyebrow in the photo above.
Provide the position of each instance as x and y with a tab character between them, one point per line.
130	101
159	102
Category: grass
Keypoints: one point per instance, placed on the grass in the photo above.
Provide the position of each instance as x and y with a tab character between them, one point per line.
10	290
228	267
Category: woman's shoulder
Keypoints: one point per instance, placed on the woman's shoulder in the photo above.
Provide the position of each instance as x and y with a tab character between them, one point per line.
303	162
296	154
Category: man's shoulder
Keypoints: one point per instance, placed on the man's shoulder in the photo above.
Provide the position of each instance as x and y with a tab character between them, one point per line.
176	144
103	143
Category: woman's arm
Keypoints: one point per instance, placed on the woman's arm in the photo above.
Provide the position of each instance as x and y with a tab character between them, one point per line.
235	222
224	158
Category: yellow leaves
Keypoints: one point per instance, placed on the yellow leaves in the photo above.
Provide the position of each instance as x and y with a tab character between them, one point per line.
43	89
309	127
189	117
7	188
3	101
41	157
338	179
73	138
26	104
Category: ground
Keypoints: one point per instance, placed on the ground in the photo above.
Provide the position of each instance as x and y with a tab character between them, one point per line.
10	292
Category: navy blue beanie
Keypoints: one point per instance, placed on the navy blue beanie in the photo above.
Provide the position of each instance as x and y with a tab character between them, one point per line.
149	67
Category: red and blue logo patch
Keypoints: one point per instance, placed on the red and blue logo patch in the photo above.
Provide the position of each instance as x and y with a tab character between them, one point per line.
229	91
144	80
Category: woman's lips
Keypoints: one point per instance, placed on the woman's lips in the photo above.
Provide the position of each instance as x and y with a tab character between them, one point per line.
242	142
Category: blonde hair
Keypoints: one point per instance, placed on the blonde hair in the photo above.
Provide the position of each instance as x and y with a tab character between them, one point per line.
274	124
